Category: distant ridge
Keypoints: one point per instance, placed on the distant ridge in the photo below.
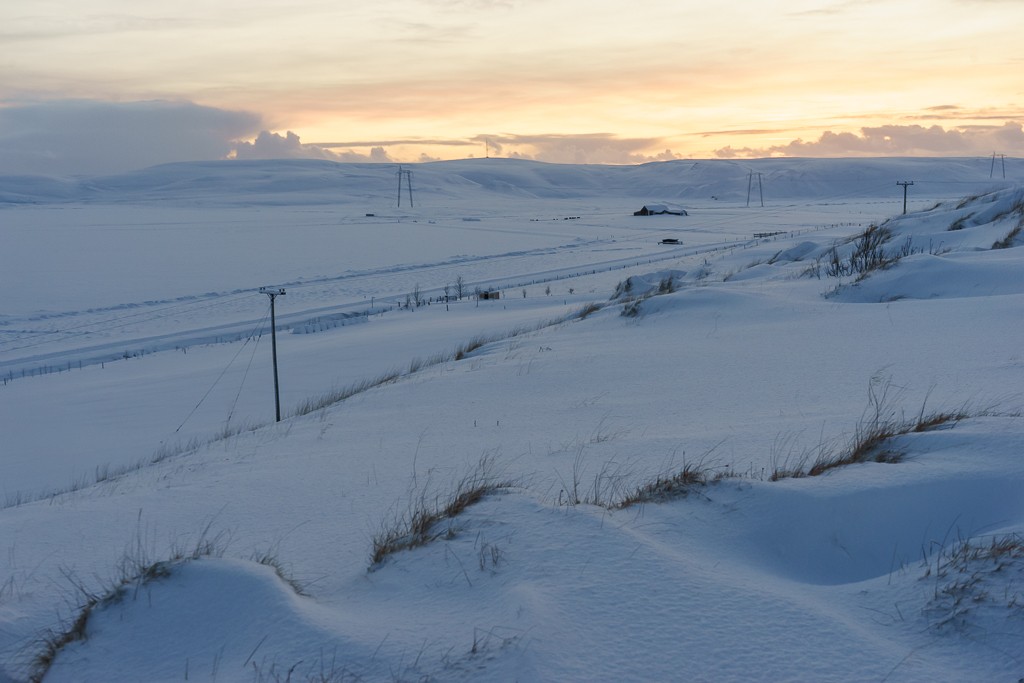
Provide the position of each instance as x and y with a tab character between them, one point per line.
313	181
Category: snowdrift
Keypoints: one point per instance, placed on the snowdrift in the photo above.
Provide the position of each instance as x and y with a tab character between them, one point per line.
650	418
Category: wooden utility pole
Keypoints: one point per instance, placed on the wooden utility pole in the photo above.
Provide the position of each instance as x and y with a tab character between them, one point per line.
905	184
273	294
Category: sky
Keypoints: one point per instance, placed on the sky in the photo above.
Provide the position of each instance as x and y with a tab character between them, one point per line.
113	85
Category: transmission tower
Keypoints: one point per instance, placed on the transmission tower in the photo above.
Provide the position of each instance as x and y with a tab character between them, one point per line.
408	179
992	170
760	189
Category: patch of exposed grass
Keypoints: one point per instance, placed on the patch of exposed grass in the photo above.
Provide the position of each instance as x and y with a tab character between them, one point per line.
691	478
57	640
1015	209
108	473
667	285
463	350
318	671
421	523
813	269
135	570
632	306
623	289
587	310
959	223
1010	238
606	488
971	198
868	254
313	404
616	486
966	581
879	424
271	558
472	345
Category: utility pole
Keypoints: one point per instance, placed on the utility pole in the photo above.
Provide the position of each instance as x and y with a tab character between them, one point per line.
992	170
760	188
905	184
408	178
273	294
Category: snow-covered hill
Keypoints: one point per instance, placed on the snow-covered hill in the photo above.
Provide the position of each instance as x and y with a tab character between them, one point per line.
305	182
641	422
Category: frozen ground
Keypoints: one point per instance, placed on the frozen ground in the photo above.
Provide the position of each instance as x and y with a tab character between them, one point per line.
134	338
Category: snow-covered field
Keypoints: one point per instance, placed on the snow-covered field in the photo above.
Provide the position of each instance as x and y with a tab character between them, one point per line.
137	423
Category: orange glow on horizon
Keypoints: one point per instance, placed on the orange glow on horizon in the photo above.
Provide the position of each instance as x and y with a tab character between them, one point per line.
554	79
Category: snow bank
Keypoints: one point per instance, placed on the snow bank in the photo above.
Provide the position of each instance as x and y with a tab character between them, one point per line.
518	588
649	283
869	572
925	276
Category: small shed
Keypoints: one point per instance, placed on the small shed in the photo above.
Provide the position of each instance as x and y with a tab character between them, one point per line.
659	209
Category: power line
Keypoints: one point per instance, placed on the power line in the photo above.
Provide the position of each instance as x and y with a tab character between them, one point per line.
245	375
221	376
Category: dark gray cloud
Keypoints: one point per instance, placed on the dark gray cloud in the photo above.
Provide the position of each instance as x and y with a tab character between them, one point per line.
897	140
70	137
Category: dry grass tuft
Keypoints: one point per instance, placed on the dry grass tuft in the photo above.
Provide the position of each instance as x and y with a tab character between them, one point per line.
472	345
667	487
313	404
879	424
271	558
421	523
135	570
976	576
1010	238
587	310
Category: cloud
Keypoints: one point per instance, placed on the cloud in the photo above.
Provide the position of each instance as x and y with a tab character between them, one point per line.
741	131
68	137
377	155
592	148
439	142
269	145
898	140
